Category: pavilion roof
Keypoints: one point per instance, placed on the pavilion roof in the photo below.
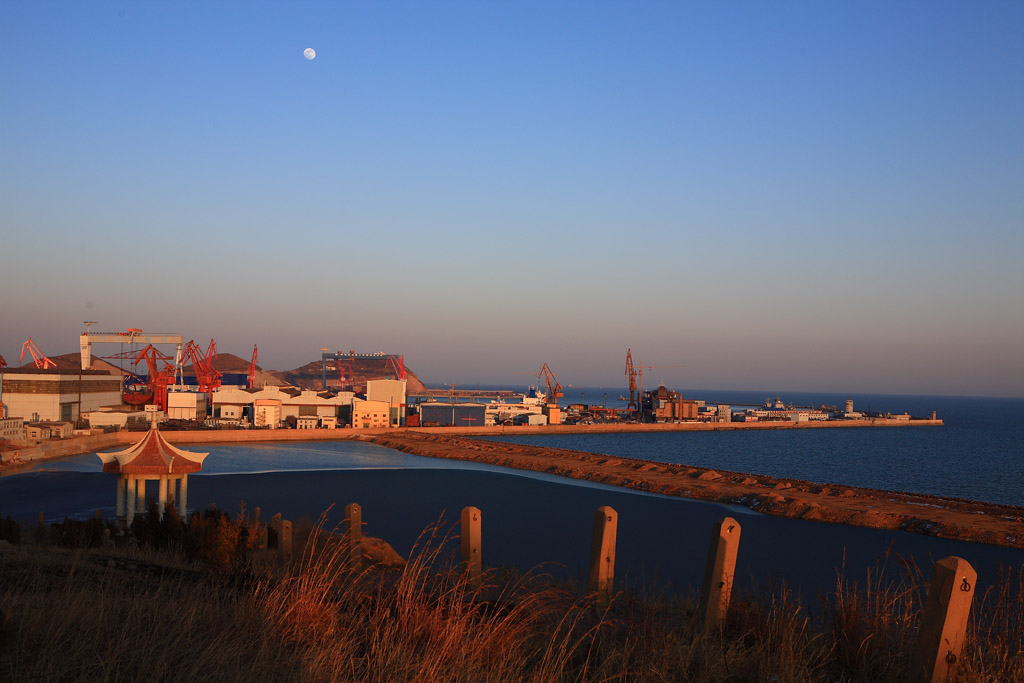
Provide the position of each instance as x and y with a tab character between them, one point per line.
152	455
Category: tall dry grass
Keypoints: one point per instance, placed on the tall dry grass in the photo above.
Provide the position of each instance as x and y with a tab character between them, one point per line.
136	613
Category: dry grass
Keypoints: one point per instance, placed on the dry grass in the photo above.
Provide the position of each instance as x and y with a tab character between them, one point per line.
129	615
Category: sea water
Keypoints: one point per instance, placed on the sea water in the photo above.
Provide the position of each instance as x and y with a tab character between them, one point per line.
978	454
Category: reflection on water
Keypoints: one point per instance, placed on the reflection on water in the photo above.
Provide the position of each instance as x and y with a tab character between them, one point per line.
278	457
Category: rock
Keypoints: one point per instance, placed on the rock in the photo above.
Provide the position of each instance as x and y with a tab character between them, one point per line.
783	485
710	475
749	481
380	553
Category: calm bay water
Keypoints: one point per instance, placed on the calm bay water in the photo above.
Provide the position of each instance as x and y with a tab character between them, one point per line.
978	454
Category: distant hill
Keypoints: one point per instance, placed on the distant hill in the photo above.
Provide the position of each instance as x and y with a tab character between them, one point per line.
230	363
310	375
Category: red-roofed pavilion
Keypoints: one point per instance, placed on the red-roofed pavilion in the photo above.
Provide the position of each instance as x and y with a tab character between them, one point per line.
152	458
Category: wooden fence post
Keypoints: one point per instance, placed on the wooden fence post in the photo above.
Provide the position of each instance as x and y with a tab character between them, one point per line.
354	533
284	540
472	560
940	642
719	572
261	529
602	551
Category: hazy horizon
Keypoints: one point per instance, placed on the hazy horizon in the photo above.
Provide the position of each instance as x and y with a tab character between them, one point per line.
816	197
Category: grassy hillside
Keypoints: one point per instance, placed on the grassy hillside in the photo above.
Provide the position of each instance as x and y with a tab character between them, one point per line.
201	602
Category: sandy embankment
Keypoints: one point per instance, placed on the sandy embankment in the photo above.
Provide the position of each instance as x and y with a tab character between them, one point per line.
930	515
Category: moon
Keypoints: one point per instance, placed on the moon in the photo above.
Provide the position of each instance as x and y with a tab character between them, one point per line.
309	53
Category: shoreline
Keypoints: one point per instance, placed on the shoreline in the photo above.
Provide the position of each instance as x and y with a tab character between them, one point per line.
14	459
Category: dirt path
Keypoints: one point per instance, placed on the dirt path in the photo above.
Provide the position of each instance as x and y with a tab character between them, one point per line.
930	515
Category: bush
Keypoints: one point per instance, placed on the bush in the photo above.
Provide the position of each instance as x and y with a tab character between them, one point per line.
10	530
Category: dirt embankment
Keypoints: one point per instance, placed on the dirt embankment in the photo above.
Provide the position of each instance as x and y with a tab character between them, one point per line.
930	515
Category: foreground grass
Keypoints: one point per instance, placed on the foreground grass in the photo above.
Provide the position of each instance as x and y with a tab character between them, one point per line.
129	614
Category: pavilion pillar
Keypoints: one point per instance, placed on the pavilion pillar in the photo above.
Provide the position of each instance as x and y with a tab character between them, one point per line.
172	484
130	498
184	497
140	494
122	484
162	493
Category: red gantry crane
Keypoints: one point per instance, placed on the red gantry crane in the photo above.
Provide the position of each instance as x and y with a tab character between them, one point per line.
206	376
38	357
554	387
159	379
252	367
398	363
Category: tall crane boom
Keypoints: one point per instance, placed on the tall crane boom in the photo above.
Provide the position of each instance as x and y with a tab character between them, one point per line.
631	374
554	387
159	379
38	357
252	367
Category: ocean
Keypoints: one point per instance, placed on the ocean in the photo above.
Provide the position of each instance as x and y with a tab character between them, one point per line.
978	454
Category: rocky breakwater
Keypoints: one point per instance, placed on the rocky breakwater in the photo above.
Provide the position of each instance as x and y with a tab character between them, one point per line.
930	515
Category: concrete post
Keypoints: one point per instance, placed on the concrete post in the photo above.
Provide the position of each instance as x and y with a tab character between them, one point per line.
183	512
122	485
162	495
130	500
284	541
602	551
472	559
940	641
275	524
719	572
354	533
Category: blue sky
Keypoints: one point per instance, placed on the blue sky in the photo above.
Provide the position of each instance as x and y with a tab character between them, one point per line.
812	196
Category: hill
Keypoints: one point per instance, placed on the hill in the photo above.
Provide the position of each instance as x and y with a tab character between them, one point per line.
310	375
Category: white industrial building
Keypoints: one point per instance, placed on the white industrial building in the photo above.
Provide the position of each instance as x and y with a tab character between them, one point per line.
57	395
392	393
187	405
272	405
12	429
371	414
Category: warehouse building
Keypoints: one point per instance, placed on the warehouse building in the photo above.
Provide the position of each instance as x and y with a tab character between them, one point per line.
58	395
435	414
